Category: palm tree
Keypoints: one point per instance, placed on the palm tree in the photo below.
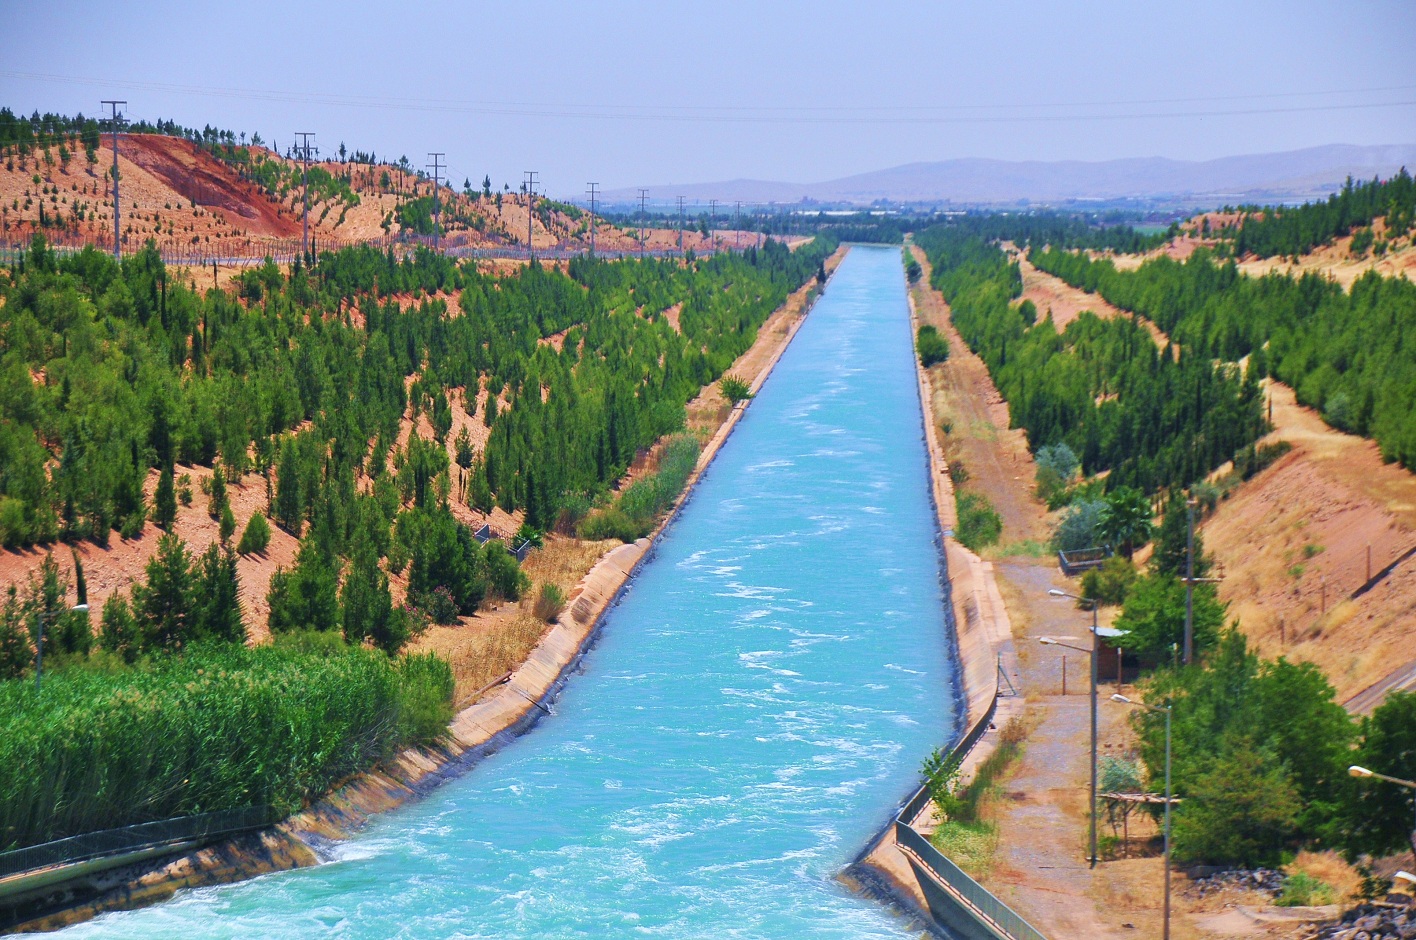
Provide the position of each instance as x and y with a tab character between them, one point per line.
1126	519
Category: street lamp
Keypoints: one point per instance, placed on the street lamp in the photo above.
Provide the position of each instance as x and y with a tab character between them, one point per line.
1118	697
1054	592
39	645
1364	773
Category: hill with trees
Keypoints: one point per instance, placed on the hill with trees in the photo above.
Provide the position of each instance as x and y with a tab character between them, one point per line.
336	387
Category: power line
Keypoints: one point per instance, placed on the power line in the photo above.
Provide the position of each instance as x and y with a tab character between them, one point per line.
305	151
769	114
680	220
530	187
117	239
643	197
594	191
437	168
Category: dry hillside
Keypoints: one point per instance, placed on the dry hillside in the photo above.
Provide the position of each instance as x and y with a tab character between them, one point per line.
190	202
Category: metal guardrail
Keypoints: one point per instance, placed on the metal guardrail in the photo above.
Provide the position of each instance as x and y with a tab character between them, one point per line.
518	547
1074	563
1000	916
978	901
135	838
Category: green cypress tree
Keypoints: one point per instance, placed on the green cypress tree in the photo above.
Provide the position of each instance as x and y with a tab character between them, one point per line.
218	493
16	651
164	500
256	537
217	597
163	604
119	631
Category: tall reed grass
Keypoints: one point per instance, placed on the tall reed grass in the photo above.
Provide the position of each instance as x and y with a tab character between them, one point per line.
219	727
639	506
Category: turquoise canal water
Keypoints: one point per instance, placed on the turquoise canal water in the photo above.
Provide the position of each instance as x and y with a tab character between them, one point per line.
757	705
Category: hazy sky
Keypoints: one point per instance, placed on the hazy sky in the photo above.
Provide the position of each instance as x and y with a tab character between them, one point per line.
637	94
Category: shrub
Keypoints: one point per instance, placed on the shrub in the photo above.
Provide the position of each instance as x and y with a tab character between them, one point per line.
1301	889
1110	583
256	537
640	504
912	267
549	603
1079	526
734	389
504	576
932	347
440	606
979	524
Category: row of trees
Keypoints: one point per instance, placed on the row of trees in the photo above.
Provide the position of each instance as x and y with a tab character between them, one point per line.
1344	352
1154	417
1297	230
110	371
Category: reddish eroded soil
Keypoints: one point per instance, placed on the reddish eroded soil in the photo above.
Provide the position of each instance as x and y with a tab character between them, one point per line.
122	563
1054	296
196	177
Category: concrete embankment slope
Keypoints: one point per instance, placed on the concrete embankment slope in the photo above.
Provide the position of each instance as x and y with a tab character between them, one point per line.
986	657
514	706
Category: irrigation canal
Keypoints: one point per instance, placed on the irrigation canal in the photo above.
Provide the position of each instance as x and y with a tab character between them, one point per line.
758	703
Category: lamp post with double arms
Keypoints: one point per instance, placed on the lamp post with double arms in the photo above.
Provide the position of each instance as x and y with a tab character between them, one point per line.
1096	635
1165	709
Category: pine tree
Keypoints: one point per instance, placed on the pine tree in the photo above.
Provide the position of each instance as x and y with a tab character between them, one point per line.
217	597
228	524
368	607
288	509
307	596
1171	541
164	500
163	605
118	632
256	537
218	493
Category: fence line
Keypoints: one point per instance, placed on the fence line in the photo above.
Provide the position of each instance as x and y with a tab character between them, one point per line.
135	838
245	252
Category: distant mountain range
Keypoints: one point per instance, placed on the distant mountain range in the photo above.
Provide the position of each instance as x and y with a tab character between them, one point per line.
1267	177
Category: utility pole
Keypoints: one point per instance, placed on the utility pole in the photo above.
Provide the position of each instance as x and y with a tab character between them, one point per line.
304	150
712	223
117	239
594	191
737	224
680	225
1190	581
643	198
437	167
530	185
